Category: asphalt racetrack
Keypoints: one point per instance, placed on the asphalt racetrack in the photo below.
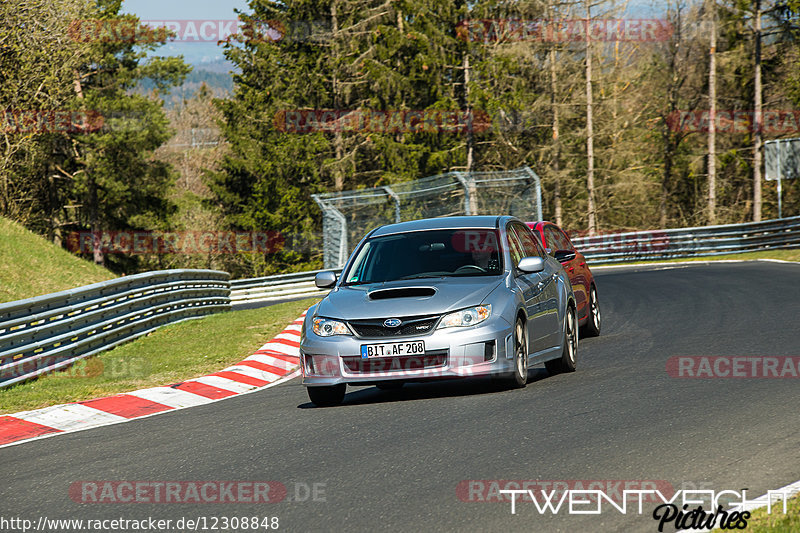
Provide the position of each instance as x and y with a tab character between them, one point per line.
395	460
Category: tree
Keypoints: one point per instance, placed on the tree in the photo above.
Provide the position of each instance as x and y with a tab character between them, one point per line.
97	174
37	60
364	57
113	175
712	112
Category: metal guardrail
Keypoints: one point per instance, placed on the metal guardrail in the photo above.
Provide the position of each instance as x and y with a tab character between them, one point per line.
691	242
610	248
277	288
50	332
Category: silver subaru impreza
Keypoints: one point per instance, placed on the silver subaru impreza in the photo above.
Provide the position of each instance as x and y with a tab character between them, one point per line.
439	298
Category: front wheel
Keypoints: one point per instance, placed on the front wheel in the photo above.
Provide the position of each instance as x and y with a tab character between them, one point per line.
592	326
519	378
566	363
327	396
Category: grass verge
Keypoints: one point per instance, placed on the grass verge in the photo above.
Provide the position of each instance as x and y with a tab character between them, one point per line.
777	522
784	255
168	355
31	265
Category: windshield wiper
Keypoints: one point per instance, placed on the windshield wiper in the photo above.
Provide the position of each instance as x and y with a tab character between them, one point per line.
426	275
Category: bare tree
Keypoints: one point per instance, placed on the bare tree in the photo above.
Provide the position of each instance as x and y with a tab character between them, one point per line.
556	159
712	112
757	117
589	128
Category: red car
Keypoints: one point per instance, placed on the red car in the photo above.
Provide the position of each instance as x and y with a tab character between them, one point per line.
558	245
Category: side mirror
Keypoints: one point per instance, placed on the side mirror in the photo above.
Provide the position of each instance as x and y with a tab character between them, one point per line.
531	265
325	280
564	256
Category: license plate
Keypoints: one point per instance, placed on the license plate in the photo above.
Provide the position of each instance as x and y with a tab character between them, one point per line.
392	349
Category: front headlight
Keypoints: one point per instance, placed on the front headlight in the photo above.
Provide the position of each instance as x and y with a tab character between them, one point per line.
326	327
466	317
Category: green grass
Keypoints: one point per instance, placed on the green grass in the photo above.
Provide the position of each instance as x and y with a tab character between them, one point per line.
777	522
31	266
168	355
785	255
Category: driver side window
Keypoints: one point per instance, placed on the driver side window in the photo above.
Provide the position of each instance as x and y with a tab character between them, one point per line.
530	246
514	246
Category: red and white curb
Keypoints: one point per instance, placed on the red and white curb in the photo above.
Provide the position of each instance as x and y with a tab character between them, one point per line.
273	363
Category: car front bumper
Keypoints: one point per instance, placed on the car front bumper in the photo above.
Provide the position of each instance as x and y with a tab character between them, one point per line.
449	353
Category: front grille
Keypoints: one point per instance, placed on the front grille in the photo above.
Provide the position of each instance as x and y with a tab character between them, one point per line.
432	359
411	325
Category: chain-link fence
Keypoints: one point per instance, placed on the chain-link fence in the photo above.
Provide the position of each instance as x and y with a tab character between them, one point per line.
348	215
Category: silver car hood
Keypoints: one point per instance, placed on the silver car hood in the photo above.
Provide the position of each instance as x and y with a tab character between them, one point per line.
353	302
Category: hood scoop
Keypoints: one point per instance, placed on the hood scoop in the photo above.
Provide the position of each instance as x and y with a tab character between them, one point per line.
402	292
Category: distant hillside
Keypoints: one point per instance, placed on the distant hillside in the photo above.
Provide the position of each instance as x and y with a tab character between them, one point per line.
32	266
221	66
219	81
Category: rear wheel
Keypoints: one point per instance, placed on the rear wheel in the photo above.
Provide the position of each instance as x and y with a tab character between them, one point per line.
519	377
566	363
327	396
592	326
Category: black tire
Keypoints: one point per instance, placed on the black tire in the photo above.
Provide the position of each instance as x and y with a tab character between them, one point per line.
390	385
566	363
327	396
519	377
592	326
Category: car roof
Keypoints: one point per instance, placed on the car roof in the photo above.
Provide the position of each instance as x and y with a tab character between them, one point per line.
540	224
478	221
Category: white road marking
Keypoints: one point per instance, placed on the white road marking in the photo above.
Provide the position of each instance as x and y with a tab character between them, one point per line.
174	398
69	417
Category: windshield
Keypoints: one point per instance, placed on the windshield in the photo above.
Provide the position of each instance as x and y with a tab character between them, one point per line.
427	254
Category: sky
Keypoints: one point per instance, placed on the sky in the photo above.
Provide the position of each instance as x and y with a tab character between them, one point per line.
206	16
200	11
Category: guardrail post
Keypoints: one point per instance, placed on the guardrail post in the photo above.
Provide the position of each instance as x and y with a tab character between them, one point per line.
470	193
330	211
396	199
537	191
